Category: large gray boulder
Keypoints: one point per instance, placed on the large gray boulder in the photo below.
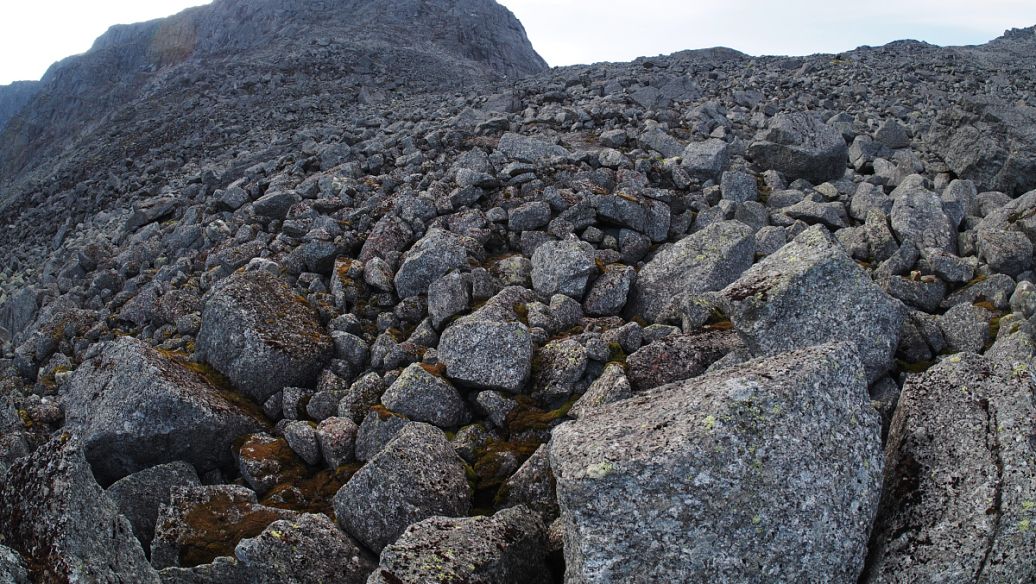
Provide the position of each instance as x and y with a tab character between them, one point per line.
636	211
431	258
56	514
959	501
918	216
800	145
705	160
705	261
491	348
507	548
134	408
812	292
424	396
563	267
262	336
766	472
140	495
416	476
528	148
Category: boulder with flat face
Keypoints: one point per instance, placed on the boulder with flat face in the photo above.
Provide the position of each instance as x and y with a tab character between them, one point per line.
800	145
765	472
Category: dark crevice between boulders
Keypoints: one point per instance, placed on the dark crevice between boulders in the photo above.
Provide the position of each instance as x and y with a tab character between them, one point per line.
993	442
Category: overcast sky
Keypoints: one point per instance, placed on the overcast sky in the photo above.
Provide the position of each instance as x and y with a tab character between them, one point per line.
35	34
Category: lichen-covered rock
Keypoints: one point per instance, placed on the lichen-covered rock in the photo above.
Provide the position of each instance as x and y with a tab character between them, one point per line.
959	502
309	549
140	495
337	437
376	430
800	145
608	295
765	472
708	260
533	486
678	357
417	475
611	386
266	461
563	267
917	215
56	514
12	568
424	396
202	523
811	292
506	548
431	258
640	213
262	336
135	407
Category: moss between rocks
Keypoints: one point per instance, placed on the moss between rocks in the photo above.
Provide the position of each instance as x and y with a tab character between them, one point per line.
217	527
208	375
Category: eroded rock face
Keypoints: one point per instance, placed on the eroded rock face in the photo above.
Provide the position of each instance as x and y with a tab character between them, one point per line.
417	475
960	452
693	481
54	511
135	407
507	548
811	292
262	336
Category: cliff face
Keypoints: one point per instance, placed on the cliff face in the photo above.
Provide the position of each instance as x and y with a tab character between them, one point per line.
342	44
13	98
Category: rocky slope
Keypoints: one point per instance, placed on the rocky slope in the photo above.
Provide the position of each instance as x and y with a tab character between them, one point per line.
298	305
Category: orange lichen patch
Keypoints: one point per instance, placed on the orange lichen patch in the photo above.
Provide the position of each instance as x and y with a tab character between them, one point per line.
272	458
383	412
216	526
314	494
721	325
438	369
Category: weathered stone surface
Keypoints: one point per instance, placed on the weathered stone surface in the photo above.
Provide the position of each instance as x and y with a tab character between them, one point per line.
707	260
608	295
678	357
135	408
705	160
611	386
960	453
917	215
309	549
800	145
140	495
724	477
424	396
266	461
200	524
416	476
506	548
432	257
563	267
12	567
53	510
262	336
811	292
528	149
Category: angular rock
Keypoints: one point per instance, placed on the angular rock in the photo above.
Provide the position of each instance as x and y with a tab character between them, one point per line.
416	476
608	295
678	357
705	261
800	145
705	160
12	568
724	477
917	215
135	408
506	548
53	510
811	292
262	336
528	149
959	499
424	396
140	495
337	437
430	258
563	267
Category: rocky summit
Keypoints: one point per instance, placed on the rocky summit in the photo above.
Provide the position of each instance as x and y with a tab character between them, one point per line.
312	291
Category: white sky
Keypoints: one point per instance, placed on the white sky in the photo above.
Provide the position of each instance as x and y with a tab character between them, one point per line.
34	34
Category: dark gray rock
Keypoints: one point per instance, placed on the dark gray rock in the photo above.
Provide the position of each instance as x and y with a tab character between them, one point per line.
800	145
811	292
1008	252
678	357
608	295
12	568
707	260
959	453
966	328
337	437
140	495
416	476
262	336
432	257
688	481
739	187
705	160
53	510
377	429
644	214
135	408
611	386
507	548
424	396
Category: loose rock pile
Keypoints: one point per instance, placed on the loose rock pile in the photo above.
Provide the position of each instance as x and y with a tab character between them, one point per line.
702	317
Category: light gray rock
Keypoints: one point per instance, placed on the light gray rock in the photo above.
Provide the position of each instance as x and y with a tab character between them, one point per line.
12	568
739	187
424	396
640	213
302	437
55	512
611	386
135	408
811	292
563	267
800	145
724	477
608	295
431	258
705	261
965	328
508	547
917	215
140	495
528	149
448	296
959	497
257	332
1008	252
705	160
416	476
